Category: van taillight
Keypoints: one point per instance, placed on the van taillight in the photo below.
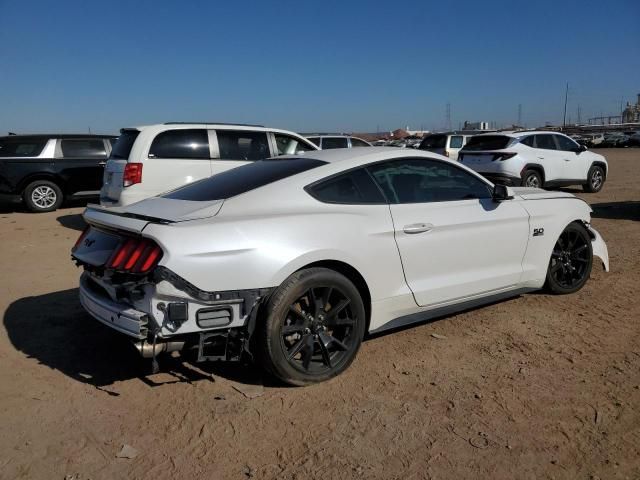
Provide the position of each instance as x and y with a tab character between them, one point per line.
132	174
135	255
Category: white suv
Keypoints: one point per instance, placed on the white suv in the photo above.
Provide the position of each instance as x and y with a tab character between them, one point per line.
146	161
534	159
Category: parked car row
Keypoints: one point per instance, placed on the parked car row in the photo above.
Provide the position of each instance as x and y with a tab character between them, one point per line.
43	170
608	139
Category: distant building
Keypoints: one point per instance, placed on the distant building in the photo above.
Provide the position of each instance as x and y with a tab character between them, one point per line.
476	125
631	114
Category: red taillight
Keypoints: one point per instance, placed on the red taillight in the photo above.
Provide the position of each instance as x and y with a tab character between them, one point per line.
132	174
80	238
137	255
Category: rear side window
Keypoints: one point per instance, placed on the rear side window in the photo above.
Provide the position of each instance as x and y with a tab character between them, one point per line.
487	142
355	187
242	145
124	144
456	141
528	141
187	143
21	147
83	148
329	143
545	142
356	142
243	179
433	142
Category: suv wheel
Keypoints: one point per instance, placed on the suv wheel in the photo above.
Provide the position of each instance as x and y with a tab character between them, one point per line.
42	196
595	180
571	260
314	326
532	178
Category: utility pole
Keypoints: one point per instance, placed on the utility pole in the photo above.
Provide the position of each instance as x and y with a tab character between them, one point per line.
566	96
579	115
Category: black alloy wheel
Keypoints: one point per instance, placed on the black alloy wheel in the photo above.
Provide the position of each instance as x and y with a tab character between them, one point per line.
314	327
571	260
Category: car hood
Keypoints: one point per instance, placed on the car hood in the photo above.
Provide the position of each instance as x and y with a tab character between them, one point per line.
529	193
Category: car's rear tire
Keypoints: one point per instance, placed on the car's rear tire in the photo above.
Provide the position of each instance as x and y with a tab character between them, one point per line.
42	196
571	260
313	327
595	180
531	178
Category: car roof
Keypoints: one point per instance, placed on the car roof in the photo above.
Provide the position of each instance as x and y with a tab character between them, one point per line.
57	135
363	155
519	133
161	127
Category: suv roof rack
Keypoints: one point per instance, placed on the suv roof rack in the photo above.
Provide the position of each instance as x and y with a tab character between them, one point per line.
215	123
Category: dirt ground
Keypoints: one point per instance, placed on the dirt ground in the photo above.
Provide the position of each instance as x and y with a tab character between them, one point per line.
535	387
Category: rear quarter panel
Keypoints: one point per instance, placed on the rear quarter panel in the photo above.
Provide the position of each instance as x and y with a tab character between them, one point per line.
233	251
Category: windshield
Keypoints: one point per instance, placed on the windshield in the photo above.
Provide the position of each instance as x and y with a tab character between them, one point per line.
243	179
487	142
124	144
433	141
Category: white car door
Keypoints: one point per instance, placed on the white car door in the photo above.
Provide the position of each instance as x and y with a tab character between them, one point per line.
455	242
546	153
576	165
176	157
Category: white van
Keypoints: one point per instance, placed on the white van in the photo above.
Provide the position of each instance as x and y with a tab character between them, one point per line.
149	160
447	144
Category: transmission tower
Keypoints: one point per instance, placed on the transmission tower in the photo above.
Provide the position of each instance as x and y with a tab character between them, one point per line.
448	120
579	115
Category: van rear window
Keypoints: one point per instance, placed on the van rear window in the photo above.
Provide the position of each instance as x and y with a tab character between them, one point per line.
487	142
124	144
243	179
433	141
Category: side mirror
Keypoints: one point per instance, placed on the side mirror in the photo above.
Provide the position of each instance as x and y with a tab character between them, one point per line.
501	193
583	148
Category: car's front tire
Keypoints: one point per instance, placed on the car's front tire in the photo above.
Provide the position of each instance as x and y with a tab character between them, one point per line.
532	178
595	180
314	326
571	260
42	196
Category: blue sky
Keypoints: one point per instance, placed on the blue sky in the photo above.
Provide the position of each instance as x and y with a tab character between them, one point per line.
339	66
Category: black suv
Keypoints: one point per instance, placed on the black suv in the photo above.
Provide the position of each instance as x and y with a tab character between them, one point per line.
43	170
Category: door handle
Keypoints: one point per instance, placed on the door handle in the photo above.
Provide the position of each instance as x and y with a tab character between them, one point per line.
567	159
541	158
102	164
417	228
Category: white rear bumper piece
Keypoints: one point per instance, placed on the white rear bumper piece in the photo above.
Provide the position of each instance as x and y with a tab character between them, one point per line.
115	315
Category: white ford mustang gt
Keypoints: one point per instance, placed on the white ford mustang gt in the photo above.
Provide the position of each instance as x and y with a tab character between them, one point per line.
291	261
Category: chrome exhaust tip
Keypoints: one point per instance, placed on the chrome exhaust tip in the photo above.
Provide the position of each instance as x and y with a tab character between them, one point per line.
149	350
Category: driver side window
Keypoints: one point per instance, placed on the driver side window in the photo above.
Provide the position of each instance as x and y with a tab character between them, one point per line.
565	144
416	180
288	145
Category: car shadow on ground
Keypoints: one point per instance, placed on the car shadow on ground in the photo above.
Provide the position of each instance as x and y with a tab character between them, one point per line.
73	221
629	210
56	331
